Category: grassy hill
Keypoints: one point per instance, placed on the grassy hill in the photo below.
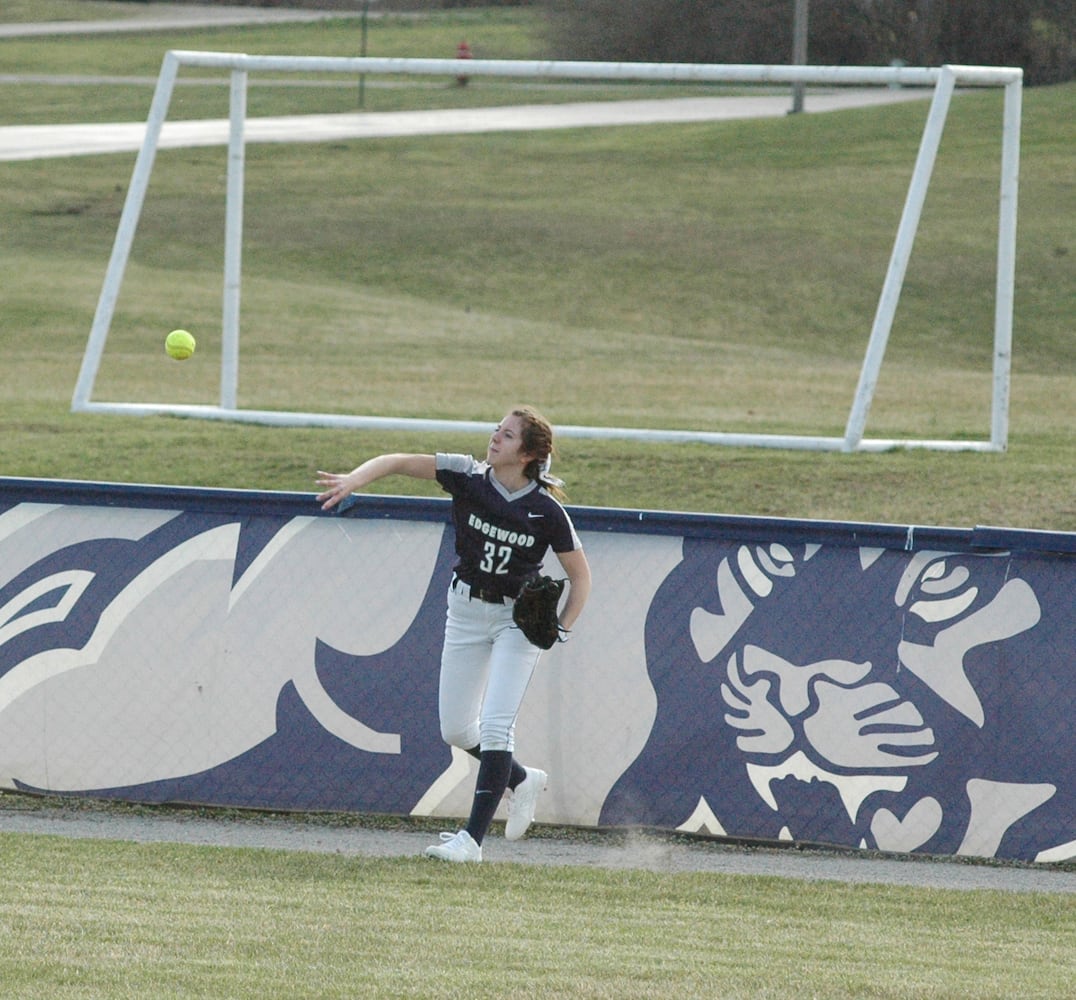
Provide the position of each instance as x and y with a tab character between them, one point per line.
719	276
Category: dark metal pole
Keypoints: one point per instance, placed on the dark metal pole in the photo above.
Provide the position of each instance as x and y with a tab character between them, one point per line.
362	52
799	51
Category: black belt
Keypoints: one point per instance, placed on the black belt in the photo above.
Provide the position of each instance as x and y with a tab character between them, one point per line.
478	594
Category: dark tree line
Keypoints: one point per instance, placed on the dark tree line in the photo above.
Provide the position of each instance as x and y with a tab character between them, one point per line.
1037	35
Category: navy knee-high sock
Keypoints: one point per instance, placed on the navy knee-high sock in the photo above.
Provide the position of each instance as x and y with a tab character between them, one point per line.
493	770
518	771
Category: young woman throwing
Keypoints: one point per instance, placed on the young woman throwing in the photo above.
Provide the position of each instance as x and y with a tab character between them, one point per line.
507	514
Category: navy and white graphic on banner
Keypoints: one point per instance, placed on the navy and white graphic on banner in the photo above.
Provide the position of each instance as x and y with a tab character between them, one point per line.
162	645
861	697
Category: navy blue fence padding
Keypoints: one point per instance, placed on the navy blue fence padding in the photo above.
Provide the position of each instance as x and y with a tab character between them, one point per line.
890	687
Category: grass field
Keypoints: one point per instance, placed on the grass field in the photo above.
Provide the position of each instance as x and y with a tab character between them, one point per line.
105	919
720	276
600	293
715	276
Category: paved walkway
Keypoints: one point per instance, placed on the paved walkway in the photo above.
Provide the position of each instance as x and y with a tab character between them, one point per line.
176	16
648	852
26	142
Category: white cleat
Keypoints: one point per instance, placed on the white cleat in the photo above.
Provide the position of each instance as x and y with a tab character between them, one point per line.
456	847
522	804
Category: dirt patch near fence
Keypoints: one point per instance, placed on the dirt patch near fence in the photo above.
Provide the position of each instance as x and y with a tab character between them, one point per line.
390	837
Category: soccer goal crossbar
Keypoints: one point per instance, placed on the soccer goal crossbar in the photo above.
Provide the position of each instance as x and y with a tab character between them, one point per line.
944	80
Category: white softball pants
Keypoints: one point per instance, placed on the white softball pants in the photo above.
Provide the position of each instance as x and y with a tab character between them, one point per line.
486	666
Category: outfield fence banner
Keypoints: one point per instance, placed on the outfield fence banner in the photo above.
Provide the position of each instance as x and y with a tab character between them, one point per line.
884	687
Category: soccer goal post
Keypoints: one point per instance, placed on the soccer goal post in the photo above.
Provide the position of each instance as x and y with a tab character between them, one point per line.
944	80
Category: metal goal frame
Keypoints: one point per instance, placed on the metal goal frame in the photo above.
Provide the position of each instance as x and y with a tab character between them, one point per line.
944	80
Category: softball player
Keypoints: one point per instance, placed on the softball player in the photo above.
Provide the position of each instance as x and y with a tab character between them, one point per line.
507	514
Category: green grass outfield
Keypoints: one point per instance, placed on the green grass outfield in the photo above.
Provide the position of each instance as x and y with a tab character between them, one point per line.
85	919
719	276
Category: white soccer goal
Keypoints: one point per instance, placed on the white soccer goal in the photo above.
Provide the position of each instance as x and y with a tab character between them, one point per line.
943	80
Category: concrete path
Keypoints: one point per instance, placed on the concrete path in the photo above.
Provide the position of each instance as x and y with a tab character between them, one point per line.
177	16
649	852
27	142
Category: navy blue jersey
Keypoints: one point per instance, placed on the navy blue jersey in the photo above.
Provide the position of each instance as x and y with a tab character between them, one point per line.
501	537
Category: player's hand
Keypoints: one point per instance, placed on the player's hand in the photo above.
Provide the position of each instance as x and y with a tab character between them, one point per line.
337	486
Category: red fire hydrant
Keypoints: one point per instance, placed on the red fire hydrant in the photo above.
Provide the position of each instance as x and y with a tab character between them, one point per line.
463	51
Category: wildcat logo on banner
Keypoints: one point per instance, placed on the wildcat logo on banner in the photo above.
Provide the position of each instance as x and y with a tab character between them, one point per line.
243	650
862	697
